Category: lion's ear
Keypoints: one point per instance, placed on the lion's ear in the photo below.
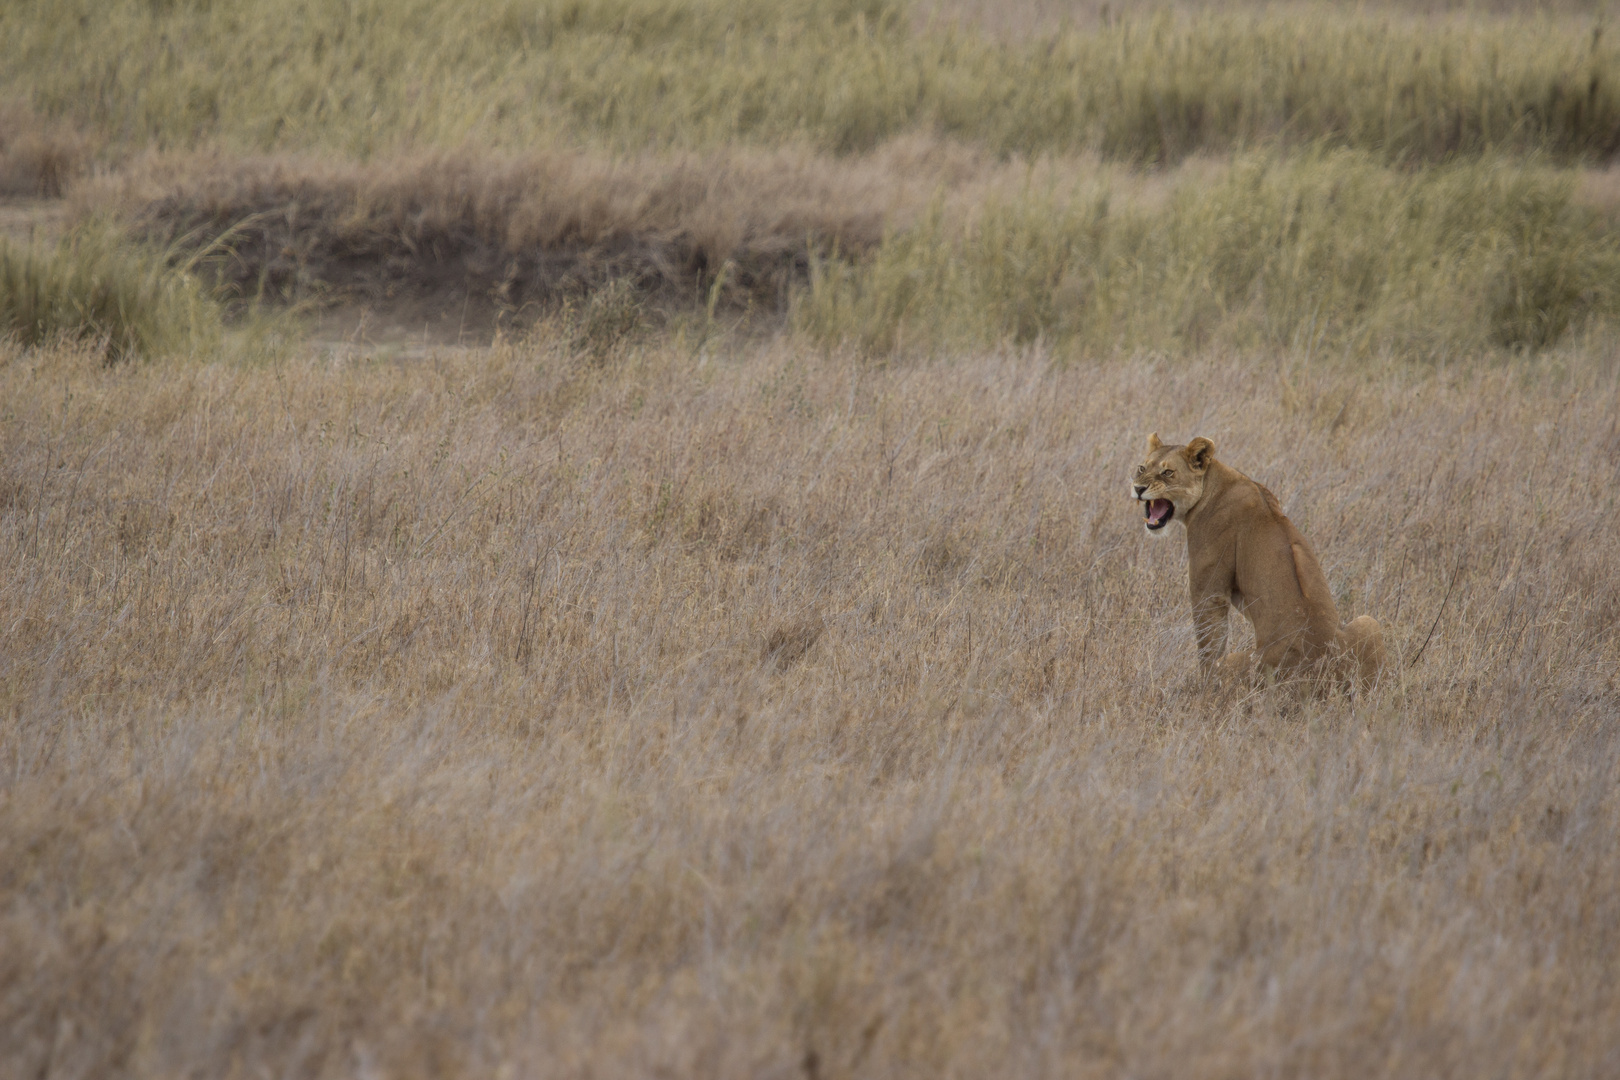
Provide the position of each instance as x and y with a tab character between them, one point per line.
1153	442
1200	452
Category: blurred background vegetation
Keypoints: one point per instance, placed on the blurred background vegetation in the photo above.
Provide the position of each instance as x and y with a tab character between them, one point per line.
1407	178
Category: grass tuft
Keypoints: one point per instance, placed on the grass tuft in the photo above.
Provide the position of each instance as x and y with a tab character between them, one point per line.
95	287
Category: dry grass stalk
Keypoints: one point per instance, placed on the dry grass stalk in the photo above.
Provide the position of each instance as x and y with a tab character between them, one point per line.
410	719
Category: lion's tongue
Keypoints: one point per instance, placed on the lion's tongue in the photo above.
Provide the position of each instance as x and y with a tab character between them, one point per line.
1157	509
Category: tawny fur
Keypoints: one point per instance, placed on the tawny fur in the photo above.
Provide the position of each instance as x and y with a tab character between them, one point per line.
1244	553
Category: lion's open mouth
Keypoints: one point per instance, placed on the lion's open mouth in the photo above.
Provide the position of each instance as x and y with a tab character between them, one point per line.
1158	512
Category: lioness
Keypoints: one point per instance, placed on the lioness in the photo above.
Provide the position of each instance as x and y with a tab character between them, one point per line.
1243	552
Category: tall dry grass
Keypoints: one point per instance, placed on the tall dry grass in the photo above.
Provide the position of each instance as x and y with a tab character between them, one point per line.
1018	20
700	710
355	79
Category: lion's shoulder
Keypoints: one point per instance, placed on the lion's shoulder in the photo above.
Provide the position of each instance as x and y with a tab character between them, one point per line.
1247	504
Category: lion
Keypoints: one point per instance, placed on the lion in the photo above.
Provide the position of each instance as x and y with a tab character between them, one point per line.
1243	552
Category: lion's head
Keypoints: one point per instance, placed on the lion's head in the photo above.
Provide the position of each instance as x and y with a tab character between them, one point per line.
1170	479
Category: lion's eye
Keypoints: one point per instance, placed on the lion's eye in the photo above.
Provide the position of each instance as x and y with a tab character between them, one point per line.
1167	474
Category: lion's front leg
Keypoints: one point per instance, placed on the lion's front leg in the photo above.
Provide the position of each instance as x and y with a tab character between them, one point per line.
1209	627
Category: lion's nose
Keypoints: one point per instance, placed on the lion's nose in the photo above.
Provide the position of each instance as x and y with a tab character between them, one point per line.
1139	490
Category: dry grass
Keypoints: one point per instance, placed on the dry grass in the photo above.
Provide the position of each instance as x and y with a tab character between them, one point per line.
609	703
1019	20
38	158
763	714
355	80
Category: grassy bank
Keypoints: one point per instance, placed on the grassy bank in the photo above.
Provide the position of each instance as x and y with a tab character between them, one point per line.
355	80
517	230
925	247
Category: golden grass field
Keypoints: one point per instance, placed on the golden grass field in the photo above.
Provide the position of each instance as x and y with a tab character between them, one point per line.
762	712
601	547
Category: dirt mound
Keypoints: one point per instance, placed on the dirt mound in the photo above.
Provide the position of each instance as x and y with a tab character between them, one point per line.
733	228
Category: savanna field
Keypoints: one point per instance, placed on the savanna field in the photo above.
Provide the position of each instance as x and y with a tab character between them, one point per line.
592	539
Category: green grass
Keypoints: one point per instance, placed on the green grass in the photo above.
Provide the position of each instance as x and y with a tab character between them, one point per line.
1323	250
359	78
96	288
